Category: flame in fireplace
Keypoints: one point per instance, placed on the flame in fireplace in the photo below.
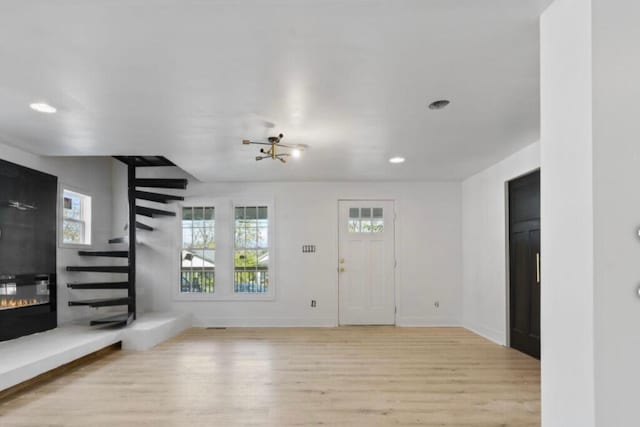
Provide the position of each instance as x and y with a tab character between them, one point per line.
15	303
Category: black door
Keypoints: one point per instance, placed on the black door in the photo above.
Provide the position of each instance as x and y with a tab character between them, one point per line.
524	263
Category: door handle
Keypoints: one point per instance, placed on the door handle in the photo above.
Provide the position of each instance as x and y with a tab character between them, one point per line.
538	267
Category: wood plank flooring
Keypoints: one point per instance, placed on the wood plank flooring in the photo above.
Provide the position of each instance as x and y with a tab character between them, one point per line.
348	376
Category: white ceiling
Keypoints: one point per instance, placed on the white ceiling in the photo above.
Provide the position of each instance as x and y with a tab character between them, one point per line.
190	79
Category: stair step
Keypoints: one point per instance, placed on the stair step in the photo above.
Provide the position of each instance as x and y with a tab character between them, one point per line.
144	161
103	302
150	212
99	285
141	226
112	254
117	320
116	240
157	197
162	183
95	269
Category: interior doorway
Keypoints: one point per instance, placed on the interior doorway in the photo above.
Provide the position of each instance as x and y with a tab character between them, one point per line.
524	264
366	262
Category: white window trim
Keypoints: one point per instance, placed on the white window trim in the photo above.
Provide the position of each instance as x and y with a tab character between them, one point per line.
88	222
224	211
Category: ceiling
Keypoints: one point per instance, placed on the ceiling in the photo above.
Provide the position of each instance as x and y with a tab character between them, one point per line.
189	79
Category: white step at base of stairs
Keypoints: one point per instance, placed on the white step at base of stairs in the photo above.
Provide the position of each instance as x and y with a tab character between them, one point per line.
32	355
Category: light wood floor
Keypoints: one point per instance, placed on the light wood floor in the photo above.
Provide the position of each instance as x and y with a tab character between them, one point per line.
355	376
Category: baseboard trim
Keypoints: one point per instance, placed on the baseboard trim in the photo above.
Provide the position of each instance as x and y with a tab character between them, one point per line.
488	333
427	322
212	322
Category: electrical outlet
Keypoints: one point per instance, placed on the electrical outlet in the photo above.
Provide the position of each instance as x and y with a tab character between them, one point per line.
436	304
313	303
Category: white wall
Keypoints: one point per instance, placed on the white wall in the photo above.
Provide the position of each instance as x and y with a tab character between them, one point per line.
428	245
93	176
484	247
616	178
567	217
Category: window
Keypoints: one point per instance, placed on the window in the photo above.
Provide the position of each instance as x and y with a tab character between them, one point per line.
76	218
198	255
366	220
251	250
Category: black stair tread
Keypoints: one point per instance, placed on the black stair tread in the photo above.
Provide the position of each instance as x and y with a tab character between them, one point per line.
162	183
113	254
101	269
103	302
142	226
145	161
117	320
151	212
116	240
99	285
157	197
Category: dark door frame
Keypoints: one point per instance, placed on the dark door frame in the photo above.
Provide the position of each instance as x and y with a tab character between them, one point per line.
508	253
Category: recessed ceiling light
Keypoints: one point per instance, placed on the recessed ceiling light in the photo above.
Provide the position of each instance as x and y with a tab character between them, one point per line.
396	160
439	105
42	107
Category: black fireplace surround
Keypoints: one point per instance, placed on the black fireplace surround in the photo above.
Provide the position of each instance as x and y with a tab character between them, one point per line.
27	251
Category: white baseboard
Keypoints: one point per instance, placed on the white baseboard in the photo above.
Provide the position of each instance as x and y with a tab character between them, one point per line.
241	322
488	333
427	322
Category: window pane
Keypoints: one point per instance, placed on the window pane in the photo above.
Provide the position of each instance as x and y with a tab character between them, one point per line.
210	238
198	214
262	212
251	213
263	237
239	236
365	226
187	213
187	238
365	212
208	213
239	213
377	212
198	237
251	237
240	259
198	254
354	213
72	206
72	232
209	256
354	226
378	226
263	260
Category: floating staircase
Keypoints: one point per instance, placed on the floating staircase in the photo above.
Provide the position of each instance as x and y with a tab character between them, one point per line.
134	194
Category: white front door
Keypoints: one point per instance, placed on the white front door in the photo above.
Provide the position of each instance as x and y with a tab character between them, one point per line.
366	262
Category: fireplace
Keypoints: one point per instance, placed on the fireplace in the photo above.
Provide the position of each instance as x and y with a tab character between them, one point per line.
27	304
27	251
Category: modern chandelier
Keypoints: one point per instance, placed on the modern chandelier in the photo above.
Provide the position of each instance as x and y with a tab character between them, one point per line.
275	151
